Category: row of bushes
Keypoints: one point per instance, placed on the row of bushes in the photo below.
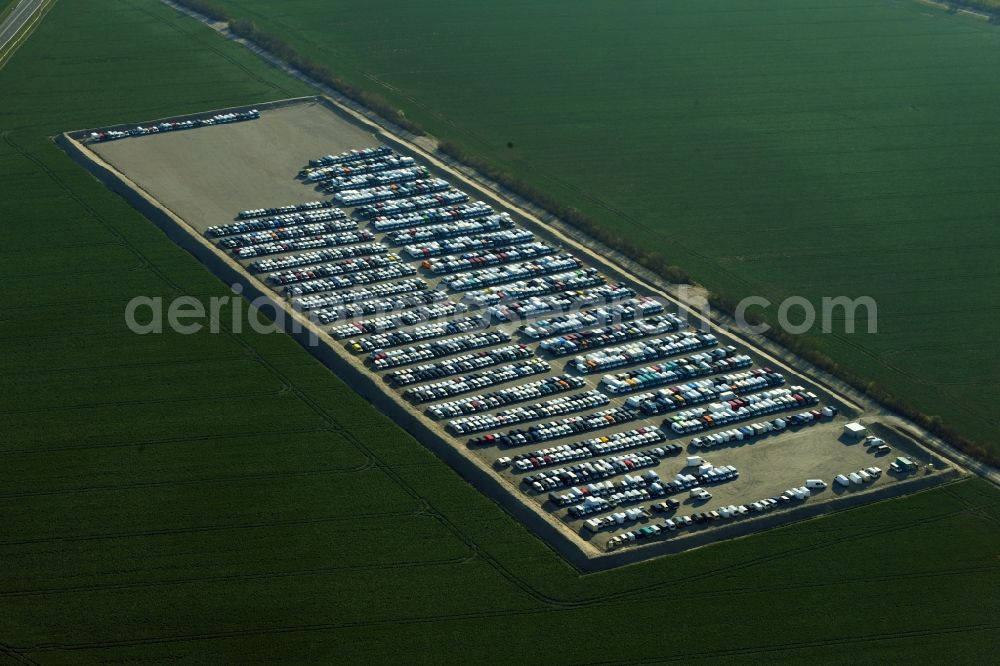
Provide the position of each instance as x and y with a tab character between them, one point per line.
989	7
651	260
205	9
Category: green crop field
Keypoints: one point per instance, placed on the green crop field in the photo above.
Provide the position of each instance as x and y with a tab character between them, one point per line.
795	147
225	499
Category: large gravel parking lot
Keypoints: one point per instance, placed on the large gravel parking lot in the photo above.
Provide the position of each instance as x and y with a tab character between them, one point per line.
205	176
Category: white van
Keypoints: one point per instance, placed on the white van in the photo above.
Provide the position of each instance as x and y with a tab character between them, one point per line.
815	483
700	494
842	480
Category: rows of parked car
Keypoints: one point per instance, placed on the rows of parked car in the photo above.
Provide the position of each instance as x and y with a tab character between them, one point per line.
465	211
455	358
278	221
575	299
333	268
613	334
282	221
428	331
437	232
251	213
395	320
712	361
697	392
622	465
484	277
454	263
740	409
384	331
367	195
461	364
335	183
316	301
506	396
540	286
725	514
444	198
559	406
593	447
581	475
492	240
383	359
347	157
316	257
298	244
390	272
618	498
626	311
478	380
544	432
617	519
321	175
642	350
368	308
309	230
173	126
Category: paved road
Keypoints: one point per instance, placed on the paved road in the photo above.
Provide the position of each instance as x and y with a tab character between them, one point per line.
17	19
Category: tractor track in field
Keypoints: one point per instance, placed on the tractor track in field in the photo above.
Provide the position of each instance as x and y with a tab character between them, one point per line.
305	628
11	653
977	510
139	364
167	440
149	401
213	528
852	639
199	580
186	482
464	559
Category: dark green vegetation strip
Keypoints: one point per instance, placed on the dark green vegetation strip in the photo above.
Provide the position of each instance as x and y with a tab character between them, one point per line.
989	7
224	499
803	148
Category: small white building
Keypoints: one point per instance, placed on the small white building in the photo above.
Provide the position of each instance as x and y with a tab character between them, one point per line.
855	430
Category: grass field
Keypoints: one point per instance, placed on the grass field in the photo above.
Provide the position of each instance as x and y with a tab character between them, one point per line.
152	510
806	148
